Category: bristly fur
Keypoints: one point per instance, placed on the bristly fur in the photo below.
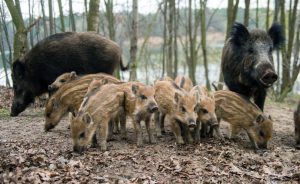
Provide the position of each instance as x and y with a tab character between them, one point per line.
239	34
276	33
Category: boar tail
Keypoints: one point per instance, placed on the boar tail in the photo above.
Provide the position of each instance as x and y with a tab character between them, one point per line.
122	66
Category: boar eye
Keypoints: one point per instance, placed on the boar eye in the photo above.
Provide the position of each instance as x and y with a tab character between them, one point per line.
182	109
82	135
204	111
48	114
62	80
261	133
251	50
143	97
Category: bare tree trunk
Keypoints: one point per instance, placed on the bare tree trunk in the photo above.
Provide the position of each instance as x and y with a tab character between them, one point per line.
2	52
287	83
61	16
3	21
72	19
51	27
203	41
44	19
170	39
256	15
267	15
175	46
20	39
110	18
246	13
133	40
93	16
30	21
165	38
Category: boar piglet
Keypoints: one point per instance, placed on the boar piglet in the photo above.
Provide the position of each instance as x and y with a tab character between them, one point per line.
60	80
247	61
297	126
137	100
241	113
205	111
184	82
69	97
179	105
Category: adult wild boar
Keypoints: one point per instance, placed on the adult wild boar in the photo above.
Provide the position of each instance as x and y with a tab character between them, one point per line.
247	62
83	53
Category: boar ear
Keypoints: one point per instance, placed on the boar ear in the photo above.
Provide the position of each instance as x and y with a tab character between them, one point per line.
270	118
276	34
260	118
73	75
239	34
87	118
177	97
104	81
18	69
135	89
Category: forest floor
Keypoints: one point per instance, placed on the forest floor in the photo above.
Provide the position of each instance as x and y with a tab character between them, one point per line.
29	155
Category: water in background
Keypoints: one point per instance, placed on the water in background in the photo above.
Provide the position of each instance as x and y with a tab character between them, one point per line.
149	75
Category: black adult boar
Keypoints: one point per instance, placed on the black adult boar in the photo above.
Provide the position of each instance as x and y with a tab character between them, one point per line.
83	53
297	126
247	61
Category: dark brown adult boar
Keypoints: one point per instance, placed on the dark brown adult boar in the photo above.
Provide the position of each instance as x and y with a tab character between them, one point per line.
83	53
297	126
247	61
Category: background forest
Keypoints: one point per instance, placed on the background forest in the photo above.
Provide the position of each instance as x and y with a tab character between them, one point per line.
163	38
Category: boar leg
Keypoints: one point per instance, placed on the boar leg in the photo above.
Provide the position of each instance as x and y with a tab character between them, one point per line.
177	132
149	129
259	98
103	131
138	131
110	129
197	131
116	128
122	118
235	130
94	141
251	136
162	122
157	125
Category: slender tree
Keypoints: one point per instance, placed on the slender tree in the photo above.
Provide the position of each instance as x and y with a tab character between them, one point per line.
72	19
109	5
133	40
20	38
268	15
93	16
246	13
61	16
203	41
256	15
170	26
51	24
44	19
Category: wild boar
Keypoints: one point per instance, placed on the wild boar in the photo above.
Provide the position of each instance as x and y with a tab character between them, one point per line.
247	61
241	113
205	111
297	125
84	53
137	100
179	105
184	82
69	97
60	80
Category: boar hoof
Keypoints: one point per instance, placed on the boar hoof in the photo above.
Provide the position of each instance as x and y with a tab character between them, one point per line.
48	127
180	141
152	140
94	145
297	146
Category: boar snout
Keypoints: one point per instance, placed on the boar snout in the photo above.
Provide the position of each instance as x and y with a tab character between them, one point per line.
48	127
152	108
269	78
263	145
192	123
78	149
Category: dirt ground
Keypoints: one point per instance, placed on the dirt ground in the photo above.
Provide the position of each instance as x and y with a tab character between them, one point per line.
29	155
